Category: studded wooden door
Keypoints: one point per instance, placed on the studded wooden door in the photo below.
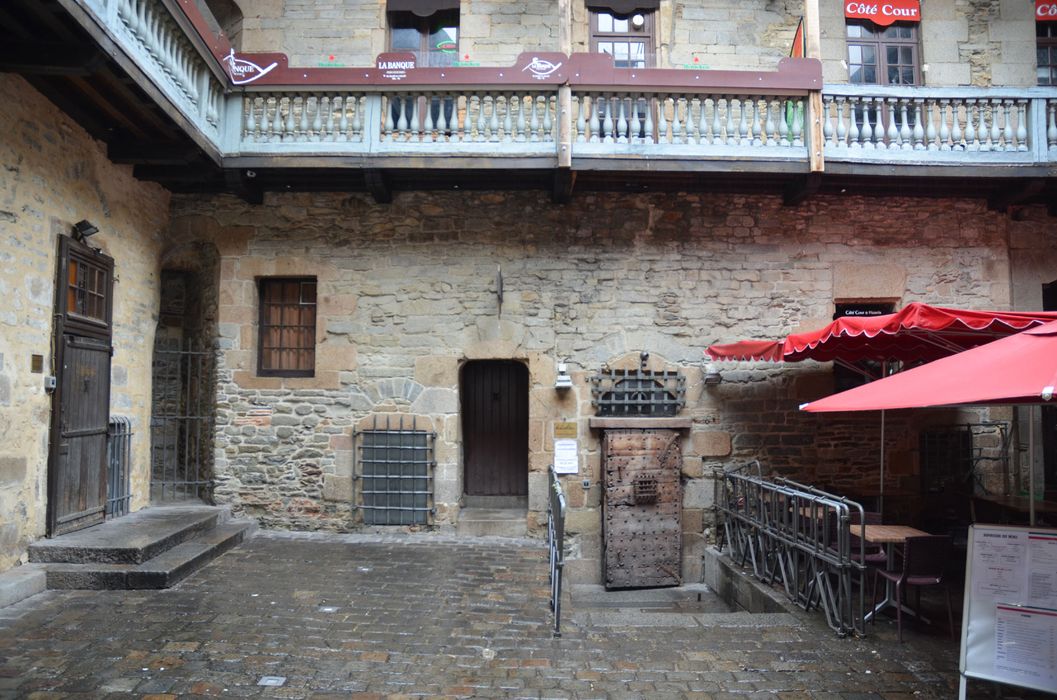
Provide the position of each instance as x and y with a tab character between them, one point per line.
642	530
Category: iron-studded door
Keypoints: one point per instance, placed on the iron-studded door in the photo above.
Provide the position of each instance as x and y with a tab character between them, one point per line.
81	405
643	507
494	396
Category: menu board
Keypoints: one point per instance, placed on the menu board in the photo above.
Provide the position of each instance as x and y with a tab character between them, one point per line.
1009	620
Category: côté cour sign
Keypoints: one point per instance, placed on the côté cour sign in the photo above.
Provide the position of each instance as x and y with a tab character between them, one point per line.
886	12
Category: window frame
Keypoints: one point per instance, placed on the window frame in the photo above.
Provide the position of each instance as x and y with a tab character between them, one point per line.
880	43
648	32
263	326
424	27
1048	44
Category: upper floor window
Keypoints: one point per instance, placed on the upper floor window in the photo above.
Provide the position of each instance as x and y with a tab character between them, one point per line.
287	342
625	32
883	55
1046	49
427	28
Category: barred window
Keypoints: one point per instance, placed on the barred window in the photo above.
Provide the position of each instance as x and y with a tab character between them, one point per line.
287	343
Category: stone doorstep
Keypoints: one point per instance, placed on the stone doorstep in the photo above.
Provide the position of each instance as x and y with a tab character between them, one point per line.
492	522
132	539
21	582
162	571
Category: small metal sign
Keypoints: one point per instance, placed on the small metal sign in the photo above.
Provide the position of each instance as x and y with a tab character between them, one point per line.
565	429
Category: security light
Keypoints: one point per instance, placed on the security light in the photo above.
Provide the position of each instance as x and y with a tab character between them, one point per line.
84	229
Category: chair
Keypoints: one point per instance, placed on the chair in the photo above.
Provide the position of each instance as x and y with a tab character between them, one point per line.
871	554
924	564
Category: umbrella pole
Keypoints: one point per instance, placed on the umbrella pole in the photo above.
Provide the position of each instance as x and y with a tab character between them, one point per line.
881	497
1033	415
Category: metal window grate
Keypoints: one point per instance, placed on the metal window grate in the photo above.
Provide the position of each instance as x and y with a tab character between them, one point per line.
119	466
638	392
396	466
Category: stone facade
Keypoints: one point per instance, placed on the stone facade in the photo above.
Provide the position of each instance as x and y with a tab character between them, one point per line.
407	295
963	42
53	174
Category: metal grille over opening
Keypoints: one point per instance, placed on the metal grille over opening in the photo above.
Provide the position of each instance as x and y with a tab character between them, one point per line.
119	463
396	472
638	392
181	440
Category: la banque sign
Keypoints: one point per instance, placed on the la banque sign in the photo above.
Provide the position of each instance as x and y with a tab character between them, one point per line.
884	12
1046	10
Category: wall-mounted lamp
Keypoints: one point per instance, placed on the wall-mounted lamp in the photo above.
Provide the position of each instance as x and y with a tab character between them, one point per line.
638	21
84	229
712	375
563	380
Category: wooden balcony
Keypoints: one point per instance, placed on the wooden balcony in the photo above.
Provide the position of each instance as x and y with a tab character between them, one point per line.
252	123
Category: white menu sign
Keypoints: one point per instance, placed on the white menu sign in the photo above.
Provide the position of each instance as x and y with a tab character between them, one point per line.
1009	620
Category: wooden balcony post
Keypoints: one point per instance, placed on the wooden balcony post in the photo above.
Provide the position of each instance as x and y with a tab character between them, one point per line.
813	49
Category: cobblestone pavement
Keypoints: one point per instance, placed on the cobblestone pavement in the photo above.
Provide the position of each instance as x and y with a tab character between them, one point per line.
396	616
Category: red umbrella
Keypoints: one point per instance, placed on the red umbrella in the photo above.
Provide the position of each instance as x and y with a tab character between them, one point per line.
918	332
1018	369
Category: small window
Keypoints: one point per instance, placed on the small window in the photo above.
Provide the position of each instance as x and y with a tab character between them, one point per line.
882	55
627	38
1046	50
287	327
86	290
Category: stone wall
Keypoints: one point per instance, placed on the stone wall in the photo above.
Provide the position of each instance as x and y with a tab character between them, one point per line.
407	295
53	174
963	42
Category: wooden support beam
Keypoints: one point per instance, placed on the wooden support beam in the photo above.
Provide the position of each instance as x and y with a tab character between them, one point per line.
139	153
1015	193
564	181
799	189
378	185
240	183
813	123
48	58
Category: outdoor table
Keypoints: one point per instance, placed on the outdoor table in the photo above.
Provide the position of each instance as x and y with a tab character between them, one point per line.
890	536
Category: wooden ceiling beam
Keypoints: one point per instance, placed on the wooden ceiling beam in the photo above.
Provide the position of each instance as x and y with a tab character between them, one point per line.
48	58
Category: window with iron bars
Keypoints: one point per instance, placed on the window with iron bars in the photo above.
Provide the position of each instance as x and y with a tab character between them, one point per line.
395	472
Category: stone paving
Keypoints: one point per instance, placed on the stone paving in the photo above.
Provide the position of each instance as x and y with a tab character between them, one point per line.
368	616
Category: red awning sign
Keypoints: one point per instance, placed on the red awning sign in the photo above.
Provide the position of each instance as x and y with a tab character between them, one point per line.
884	12
1046	10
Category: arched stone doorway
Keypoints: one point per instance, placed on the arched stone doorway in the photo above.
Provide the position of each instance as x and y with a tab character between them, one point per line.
183	408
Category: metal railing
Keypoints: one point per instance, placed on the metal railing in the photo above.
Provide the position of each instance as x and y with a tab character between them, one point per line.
119	466
556	545
799	537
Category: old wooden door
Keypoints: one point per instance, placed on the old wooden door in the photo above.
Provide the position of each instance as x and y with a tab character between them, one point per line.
494	396
81	403
642	529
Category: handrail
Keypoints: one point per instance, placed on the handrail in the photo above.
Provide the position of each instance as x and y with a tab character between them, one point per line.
556	544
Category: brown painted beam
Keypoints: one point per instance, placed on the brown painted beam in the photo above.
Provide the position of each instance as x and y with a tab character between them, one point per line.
48	58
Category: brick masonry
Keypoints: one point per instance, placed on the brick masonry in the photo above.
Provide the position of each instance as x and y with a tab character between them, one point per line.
53	174
407	295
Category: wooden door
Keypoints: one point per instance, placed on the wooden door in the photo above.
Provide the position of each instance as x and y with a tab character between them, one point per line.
642	510
494	397
81	404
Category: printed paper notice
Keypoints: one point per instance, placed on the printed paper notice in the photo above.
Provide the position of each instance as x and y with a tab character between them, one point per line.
1042	572
1026	645
566	457
1000	560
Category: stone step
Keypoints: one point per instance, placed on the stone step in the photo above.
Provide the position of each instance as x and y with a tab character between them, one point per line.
162	571
132	539
21	582
492	522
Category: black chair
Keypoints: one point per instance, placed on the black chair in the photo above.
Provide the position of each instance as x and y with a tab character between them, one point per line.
924	564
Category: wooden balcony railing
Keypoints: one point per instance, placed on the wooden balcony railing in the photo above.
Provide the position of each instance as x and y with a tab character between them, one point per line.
553	110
